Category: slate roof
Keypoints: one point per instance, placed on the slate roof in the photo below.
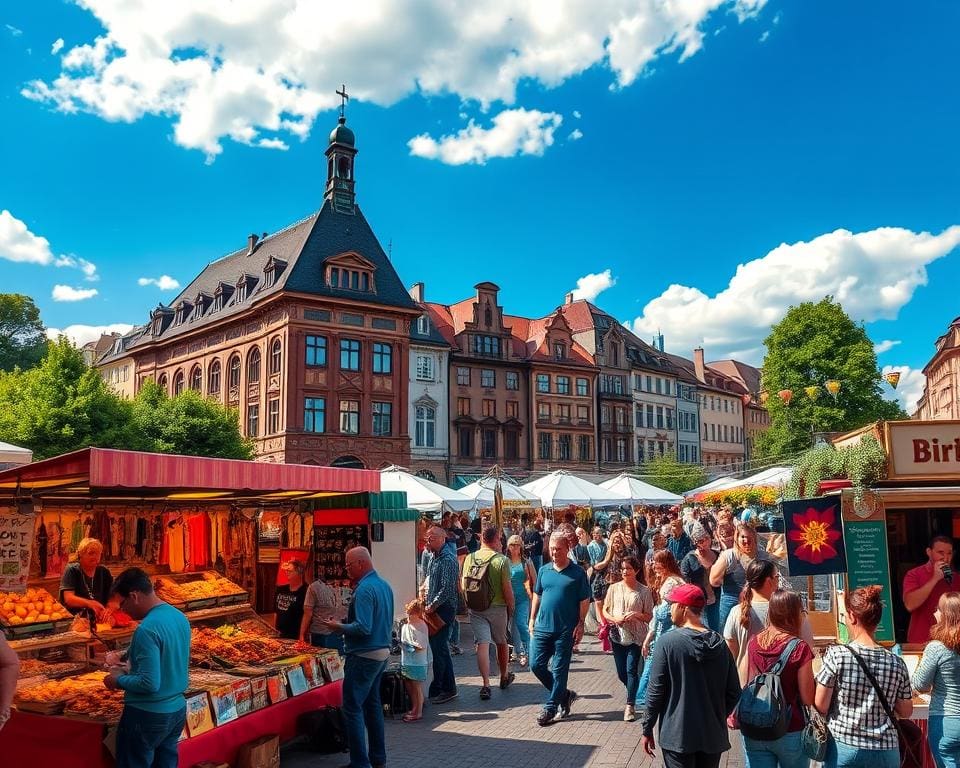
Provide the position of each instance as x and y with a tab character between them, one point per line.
433	337
299	252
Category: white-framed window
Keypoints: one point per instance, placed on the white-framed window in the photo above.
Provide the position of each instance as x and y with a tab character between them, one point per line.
425	427
424	368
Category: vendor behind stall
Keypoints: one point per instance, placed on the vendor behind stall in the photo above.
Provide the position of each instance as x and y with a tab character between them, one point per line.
289	600
86	585
923	586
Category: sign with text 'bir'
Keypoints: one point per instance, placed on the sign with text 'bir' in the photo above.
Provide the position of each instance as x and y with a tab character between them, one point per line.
16	549
922	450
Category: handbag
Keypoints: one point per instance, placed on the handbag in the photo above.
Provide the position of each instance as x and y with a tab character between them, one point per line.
909	736
815	736
434	623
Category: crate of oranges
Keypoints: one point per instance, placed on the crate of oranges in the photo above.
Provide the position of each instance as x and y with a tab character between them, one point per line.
22	613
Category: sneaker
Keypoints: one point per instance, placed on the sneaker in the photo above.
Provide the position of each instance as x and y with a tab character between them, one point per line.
567	703
628	714
484	692
545	717
505	681
443	698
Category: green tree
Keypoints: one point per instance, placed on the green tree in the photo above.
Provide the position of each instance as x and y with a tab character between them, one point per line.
22	339
671	475
814	343
188	424
62	405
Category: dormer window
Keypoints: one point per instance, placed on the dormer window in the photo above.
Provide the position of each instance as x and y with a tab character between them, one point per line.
182	312
221	296
560	351
200	305
349	272
423	325
272	271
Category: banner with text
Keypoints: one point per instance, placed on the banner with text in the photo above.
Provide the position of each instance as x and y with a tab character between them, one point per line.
16	549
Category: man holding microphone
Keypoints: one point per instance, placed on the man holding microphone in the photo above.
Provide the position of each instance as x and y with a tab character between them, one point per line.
923	586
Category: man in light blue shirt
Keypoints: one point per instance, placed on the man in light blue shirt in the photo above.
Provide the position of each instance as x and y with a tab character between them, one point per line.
153	678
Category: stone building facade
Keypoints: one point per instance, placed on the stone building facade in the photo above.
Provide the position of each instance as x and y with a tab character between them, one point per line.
940	399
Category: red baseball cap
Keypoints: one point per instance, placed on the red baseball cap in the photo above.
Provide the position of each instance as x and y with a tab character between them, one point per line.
688	594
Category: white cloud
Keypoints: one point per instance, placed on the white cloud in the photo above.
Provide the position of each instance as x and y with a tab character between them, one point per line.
13	30
164	282
18	243
514	132
575	134
273	144
57	46
592	285
242	69
872	274
68	293
576	114
81	334
885	346
909	388
765	36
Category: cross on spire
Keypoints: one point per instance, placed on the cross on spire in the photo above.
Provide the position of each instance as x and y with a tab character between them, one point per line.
344	98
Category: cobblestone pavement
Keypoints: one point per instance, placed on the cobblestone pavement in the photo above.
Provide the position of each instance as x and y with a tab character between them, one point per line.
503	733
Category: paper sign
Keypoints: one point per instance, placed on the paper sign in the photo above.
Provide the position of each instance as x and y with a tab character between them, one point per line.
16	549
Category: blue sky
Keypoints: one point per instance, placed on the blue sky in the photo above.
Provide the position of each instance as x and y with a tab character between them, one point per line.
534	149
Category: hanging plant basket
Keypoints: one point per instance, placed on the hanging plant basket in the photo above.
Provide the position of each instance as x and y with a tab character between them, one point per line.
862	464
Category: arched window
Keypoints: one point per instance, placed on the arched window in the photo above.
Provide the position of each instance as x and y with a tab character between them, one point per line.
253	366
213	382
177	383
234	380
276	356
162	382
196	378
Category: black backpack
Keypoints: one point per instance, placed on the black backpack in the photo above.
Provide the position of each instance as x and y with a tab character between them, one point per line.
324	730
393	694
476	583
763	712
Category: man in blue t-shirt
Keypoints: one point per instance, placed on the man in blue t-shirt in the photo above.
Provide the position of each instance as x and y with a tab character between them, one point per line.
561	598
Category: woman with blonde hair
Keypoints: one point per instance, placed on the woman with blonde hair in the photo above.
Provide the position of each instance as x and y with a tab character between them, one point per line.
665	576
730	571
86	584
939	674
522	579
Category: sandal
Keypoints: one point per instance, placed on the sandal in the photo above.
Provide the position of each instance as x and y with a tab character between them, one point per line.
485	693
505	681
410	719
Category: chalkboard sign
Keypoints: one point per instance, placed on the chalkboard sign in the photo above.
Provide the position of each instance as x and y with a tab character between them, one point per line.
330	545
868	559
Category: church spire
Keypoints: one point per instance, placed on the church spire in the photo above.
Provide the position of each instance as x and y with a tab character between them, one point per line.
340	158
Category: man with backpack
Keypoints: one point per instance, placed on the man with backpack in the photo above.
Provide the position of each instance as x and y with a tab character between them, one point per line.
693	687
489	596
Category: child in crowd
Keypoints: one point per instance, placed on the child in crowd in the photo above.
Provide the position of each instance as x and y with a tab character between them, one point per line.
414	641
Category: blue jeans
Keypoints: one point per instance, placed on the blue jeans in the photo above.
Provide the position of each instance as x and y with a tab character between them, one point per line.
537	561
362	710
711	616
454	631
149	739
543	646
783	752
840	755
628	660
943	733
443	679
520	628
333	640
726	605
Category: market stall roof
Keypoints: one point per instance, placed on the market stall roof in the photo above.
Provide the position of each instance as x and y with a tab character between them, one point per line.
714	485
106	472
774	476
561	489
639	492
14	454
482	490
423	494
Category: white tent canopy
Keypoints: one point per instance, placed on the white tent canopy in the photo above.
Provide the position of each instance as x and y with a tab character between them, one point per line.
561	489
639	492
423	494
719	484
482	491
776	477
14	454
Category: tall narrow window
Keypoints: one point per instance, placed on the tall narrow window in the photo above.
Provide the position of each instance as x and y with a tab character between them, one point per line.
213	378
583	448
511	444
349	355
276	356
253	366
382	419
543	382
314	414
382	358
488	378
583	388
426	427
545	445
273	416
564	448
234	381
488	443
253	420
465	439
316	351
177	383
350	417
196	379
513	380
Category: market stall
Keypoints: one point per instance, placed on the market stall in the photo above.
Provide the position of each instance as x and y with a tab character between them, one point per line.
639	493
562	492
199	527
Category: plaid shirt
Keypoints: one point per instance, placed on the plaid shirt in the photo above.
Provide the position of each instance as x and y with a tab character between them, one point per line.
856	715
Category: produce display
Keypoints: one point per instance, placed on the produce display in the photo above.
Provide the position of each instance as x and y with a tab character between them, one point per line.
62	691
232	645
35	667
211	585
31	607
100	704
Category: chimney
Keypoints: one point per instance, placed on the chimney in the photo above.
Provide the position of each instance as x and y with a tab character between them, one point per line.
251	243
698	365
568	299
417	292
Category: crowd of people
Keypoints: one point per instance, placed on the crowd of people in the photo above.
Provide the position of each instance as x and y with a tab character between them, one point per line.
693	610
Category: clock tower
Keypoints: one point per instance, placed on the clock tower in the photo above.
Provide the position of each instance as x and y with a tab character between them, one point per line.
340	159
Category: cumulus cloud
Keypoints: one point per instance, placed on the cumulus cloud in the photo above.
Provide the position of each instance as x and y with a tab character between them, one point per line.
592	285
249	71
575	134
909	388
57	46
872	274
69	293
885	346
18	243
164	282
514	132
82	334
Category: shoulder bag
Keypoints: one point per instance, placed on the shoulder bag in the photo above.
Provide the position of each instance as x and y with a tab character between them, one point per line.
909	735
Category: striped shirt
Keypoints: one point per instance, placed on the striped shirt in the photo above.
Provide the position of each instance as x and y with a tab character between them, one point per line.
939	670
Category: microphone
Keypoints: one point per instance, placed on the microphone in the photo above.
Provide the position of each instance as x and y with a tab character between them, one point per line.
947	573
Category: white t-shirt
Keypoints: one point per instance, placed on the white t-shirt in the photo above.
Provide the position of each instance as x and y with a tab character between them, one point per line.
412	634
732	630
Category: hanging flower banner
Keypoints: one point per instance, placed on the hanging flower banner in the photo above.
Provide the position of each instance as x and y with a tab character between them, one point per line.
814	536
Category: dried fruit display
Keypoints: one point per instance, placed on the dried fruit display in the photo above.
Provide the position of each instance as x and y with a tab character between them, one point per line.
59	691
34	667
100	704
34	606
238	648
211	585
